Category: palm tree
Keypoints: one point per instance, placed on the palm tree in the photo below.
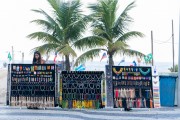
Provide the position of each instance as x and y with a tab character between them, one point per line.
111	30
61	29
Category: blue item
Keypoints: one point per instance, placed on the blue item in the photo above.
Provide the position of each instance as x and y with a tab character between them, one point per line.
167	90
80	68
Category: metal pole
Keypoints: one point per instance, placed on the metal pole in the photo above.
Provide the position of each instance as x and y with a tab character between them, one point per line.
178	89
173	45
152	48
22	57
12	54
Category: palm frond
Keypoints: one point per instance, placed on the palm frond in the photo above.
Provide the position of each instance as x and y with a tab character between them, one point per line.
88	55
47	25
68	13
51	21
69	17
118	45
129	35
48	17
100	32
105	14
76	28
90	42
67	50
109	10
122	22
55	4
45	37
132	53
44	48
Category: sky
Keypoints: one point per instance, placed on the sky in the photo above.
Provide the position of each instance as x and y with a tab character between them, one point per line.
155	15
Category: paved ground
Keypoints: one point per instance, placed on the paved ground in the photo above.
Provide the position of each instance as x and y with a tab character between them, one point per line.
12	113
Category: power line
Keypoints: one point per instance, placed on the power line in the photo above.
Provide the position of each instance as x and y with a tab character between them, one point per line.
161	42
164	42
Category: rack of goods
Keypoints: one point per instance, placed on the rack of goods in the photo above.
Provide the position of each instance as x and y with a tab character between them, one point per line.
132	87
33	85
82	89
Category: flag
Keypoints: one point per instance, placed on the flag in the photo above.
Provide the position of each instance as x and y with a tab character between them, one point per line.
134	62
139	60
80	68
9	56
123	60
55	57
148	58
103	56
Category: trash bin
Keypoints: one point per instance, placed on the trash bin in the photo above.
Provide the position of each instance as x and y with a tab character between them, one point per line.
167	90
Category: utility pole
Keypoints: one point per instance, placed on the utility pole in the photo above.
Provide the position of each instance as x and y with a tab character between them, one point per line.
12	54
22	57
152	48
173	45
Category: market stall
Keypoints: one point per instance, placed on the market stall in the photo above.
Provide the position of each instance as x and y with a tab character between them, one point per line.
33	85
82	89
132	87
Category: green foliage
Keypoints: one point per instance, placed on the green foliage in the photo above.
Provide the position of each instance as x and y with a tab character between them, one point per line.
110	31
62	29
175	68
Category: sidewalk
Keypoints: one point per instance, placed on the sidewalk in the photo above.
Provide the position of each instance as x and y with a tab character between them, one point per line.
14	113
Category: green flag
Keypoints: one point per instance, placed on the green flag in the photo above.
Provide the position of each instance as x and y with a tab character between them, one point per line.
9	56
148	58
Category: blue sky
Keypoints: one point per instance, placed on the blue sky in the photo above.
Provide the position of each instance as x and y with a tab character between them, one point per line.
156	15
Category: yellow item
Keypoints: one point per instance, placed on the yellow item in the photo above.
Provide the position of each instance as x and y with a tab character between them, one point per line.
83	104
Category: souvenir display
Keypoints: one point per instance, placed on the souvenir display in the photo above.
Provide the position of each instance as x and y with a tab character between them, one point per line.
33	85
82	89
156	91
132	87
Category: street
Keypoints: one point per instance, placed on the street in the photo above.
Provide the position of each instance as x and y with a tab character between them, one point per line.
15	113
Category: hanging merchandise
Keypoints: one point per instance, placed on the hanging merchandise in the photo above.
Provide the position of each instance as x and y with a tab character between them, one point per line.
132	87
32	85
156	90
82	89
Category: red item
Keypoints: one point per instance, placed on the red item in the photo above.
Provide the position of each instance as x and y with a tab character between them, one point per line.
55	57
116	93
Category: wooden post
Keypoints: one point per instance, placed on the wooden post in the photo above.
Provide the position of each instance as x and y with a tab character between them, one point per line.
152	48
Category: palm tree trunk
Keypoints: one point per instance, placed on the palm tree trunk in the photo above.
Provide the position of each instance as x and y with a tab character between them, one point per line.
67	62
111	62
